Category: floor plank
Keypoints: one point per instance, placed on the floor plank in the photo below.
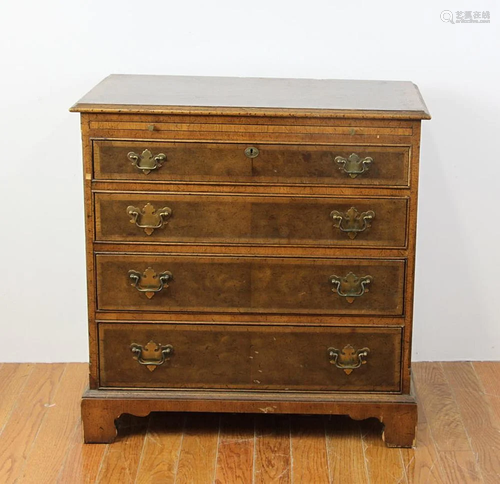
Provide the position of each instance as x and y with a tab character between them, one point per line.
441	409
459	466
235	453
13	378
49	450
28	412
422	462
384	465
456	458
83	461
199	449
346	462
162	446
479	420
309	459
121	461
488	374
272	449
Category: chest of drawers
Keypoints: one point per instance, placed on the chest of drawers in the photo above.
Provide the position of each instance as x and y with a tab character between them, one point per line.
250	247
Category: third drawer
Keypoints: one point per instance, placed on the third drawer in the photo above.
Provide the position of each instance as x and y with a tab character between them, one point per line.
187	283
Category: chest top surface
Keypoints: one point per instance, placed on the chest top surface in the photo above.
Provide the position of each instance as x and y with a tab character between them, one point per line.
254	96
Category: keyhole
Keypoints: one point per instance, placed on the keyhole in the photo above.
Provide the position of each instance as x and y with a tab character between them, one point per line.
251	152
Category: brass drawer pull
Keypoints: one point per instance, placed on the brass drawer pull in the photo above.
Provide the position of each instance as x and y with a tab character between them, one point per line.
351	286
353	165
149	282
146	161
148	218
348	358
352	222
152	354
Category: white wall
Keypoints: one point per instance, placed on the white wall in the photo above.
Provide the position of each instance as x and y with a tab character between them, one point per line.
52	52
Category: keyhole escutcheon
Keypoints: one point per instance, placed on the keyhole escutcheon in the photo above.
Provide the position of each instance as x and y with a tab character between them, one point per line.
252	152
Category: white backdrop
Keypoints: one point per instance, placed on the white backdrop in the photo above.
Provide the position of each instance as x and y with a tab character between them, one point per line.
52	52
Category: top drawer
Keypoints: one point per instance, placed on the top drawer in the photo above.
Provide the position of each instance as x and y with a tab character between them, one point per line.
348	165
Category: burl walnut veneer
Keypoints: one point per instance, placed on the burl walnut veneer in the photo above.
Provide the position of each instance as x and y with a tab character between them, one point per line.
250	247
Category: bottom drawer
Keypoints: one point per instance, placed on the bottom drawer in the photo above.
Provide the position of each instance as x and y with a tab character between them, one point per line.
251	357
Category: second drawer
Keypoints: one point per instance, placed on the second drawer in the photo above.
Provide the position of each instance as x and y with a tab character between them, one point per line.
181	283
278	220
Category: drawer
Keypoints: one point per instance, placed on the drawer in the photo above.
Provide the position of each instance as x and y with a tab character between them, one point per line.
249	357
256	163
218	219
164	283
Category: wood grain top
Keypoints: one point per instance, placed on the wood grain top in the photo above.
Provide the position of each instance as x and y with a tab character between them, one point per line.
254	96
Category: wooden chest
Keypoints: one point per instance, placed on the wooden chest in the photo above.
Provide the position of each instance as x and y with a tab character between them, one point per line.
250	247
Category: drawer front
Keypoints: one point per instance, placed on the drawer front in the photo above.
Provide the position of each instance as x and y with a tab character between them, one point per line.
211	219
249	285
252	163
249	357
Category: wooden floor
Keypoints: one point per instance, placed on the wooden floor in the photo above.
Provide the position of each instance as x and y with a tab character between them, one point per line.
41	437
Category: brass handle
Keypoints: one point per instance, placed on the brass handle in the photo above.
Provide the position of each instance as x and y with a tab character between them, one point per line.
353	165
146	161
352	222
348	358
351	286
148	218
151	355
149	282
